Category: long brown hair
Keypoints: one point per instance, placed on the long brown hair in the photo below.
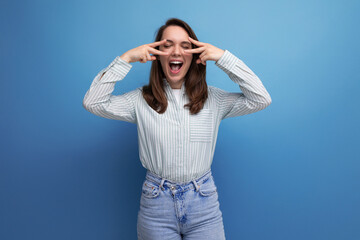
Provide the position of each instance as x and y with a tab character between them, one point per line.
195	78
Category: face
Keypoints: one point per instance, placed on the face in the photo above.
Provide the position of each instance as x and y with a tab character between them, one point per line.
176	64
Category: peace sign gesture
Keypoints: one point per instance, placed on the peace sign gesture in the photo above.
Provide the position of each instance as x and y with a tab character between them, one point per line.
208	51
142	53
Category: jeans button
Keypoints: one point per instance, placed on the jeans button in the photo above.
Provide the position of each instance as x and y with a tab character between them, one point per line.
172	187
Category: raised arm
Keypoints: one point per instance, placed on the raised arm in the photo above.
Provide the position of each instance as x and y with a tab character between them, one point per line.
254	96
99	99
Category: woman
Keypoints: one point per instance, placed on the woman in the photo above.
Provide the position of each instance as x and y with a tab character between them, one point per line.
177	117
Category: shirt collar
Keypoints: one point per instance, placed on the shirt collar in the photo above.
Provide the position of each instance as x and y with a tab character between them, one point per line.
168	87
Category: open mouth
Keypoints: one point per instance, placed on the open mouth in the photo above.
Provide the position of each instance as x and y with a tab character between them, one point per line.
175	66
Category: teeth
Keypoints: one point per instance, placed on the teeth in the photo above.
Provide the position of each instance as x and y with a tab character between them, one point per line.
175	62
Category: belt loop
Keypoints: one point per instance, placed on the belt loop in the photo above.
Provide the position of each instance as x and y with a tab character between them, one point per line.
162	183
196	186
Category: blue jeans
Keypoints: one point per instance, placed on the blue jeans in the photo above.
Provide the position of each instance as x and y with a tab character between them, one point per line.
176	211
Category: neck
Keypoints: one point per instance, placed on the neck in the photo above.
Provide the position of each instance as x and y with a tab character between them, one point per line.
176	85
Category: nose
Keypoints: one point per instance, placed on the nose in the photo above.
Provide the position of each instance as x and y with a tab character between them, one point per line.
176	50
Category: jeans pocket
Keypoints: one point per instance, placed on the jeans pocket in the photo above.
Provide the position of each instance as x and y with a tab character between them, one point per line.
150	189
208	188
201	126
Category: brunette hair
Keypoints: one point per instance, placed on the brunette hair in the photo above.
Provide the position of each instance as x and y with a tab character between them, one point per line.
195	78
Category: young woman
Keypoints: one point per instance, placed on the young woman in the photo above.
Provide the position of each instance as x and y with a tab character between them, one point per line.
177	117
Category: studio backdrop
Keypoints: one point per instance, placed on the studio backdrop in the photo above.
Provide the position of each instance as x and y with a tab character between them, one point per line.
290	171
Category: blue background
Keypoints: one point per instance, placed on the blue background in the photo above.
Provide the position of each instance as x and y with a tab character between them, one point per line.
290	171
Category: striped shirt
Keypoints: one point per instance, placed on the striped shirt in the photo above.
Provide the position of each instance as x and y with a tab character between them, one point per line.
177	145
176	93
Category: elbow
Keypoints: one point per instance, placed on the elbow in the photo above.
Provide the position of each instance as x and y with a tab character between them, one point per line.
267	101
86	104
89	107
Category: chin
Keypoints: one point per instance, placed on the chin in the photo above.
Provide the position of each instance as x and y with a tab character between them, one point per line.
174	80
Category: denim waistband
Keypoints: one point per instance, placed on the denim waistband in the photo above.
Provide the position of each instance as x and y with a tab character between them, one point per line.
153	177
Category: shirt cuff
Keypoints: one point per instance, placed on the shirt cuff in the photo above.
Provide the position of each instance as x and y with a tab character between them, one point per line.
118	67
227	61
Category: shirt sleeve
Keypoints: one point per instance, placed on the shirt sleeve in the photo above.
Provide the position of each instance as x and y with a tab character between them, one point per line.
253	97
99	99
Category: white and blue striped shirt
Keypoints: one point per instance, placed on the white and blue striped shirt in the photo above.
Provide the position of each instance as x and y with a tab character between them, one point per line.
177	145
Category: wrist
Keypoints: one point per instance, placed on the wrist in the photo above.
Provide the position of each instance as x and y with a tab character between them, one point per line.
125	58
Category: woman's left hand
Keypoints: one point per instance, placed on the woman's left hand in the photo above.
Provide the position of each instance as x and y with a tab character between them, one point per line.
208	51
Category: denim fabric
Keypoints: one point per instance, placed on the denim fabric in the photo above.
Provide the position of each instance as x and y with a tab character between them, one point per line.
187	211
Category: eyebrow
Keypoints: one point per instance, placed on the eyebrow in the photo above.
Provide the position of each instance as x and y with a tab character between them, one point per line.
187	42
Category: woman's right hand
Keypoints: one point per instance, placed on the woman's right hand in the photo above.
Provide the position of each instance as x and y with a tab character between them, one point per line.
142	53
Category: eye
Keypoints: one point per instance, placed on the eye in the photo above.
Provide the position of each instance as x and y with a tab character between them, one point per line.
167	46
186	47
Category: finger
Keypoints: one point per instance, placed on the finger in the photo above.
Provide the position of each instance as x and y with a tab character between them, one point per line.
202	60
202	54
158	43
195	50
151	57
157	52
201	57
197	43
148	56
142	59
